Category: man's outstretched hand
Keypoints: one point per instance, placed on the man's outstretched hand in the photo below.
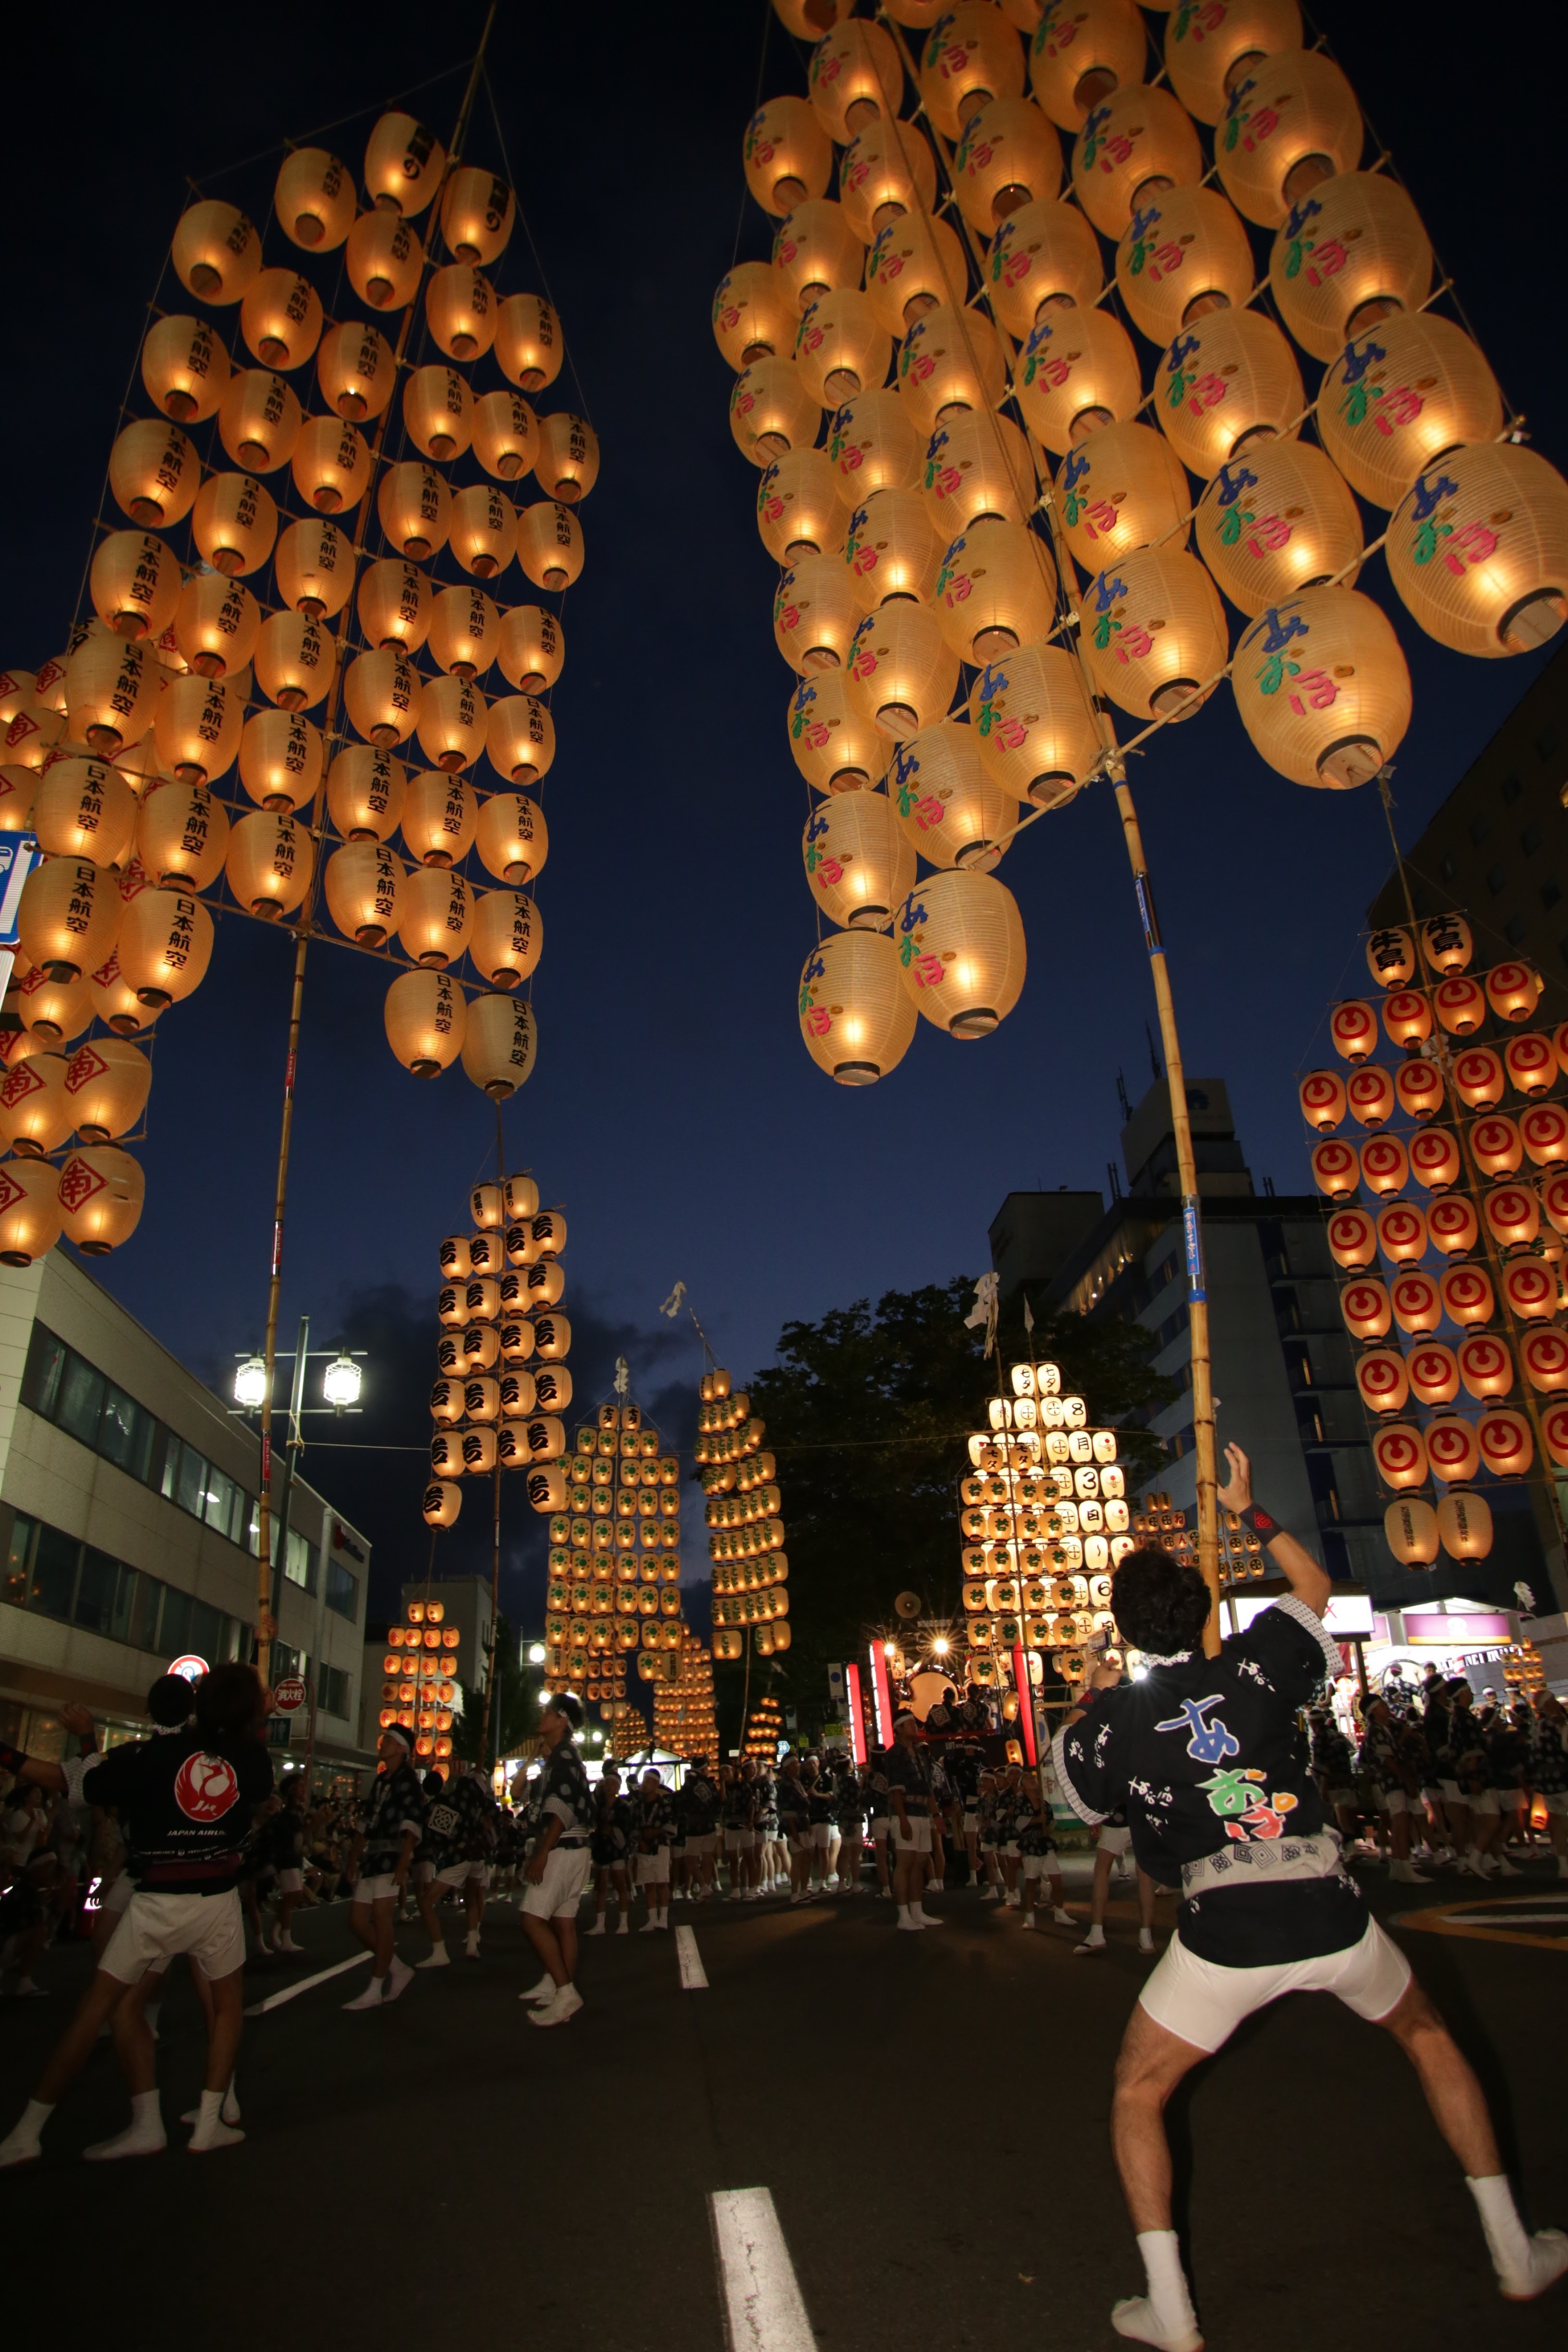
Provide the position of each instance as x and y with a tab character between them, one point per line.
1236	1494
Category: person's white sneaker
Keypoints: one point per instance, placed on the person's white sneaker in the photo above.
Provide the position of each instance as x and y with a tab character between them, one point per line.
566	2004
440	1958
543	1990
1548	2262
1135	2316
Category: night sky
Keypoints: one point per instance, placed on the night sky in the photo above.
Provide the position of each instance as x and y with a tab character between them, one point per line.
674	1112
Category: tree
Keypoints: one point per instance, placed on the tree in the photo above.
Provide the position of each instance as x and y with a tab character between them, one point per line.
512	1717
868	1415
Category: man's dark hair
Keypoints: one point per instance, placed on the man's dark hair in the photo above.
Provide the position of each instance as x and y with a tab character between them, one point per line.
1161	1605
287	1786
169	1702
230	1702
568	1704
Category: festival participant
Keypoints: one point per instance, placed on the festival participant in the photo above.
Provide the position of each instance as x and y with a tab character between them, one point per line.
382	1858
1507	1754
1472	1770
740	1832
940	1803
1009	1788
794	1824
1549	1770
818	1782
1333	1769
879	1809
986	1837
284	1840
557	1869
849	1821
909	1785
768	1863
459	1833
1204	1754
963	1775
188	1803
1113	1839
1384	1761
700	1792
653	1816
610	1847
1447	1719
509	1853
1039	1869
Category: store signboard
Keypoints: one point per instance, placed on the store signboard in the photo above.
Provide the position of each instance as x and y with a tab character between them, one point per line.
1471	1629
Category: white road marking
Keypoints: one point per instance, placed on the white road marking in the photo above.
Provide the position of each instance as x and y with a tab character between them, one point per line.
693	1975
1558	1918
292	1993
763	2306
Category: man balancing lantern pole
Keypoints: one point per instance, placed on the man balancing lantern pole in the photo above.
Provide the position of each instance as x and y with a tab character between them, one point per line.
1203	1756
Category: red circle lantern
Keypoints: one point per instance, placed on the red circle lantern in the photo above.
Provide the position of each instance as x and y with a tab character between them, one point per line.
1336	1170
1419	1088
1385	1165
1485	1365
1365	1308
1530	1290
1544	1355
1352	1239
1322	1099
1407	1016
1555	1431
1478	1075
1513	1216
1460	1005
1400	1234
1435	1160
1417	1304
1466	1295
1543	1131
1352	1026
1400	1453
1496	1145
1554	1201
1453	1449
1507	1446
1513	990
1531	1064
1384	1383
1369	1095
1454	1225
1559	1046
1434	1373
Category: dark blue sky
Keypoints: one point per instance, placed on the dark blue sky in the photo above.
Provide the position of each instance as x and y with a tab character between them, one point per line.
674	1110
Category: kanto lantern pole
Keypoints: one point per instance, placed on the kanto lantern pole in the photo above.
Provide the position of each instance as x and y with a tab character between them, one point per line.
495	1531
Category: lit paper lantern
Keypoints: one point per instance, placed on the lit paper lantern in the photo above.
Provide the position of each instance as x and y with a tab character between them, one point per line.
950	359
314	199
835	748
460	310
1154	634
1207	55
1453	1449
234	523
1278	520
1385	1165
1445	943
1479	1077
892	550
1531	1062
1410	1528
1349	254
404	164
508	937
1401	1232
101	1193
1419	1086
1511	1214
414	507
441	1503
1369	1095
1290	122
873	444
1544	1359
513	837
1543	1131
1513	990
1507	1446
281	757
1352	1239
1465	1524
1391	958
184	368
1323	1100
1453	1225
1384	1383
1466	1295
532	649
1007	156
1434	1372
1399	1450
1485	1367
1078	55
1413	389
1336	1170
1460	1005
361	883
1435	1160
382	693
258	420
478	212
84	808
977	468
995	591
1121	491
527	344
799	511
69	916
901	674
1043	258
1183	255
1365	1308
1417	1304
841	348
182	834
1478	550
962	951
295	659
435	916
971	56
268	862
451	722
34	1108
787	155
1406	1016
1076	374
915	265
134	584
1555	1431
499	1044
111	692
365	792
427	1018
1496	1145
1225	382
1134	144
30	1211
856	75
164	946
859	862
1037	735
816	611
818	248
946	804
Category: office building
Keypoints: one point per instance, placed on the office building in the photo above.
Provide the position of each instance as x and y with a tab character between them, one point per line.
1283	1362
129	1524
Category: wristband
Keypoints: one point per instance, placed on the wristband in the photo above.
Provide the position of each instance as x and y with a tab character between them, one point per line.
1258	1522
11	1758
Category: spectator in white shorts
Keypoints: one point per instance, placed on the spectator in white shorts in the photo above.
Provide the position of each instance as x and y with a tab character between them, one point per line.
284	1836
879	1810
653	1816
556	1872
1113	1841
1383	1762
1549	1770
739	1833
908	1773
382	1857
794	1827
1205	1756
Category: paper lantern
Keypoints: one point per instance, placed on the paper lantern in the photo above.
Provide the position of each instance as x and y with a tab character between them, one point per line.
1530	1061
945	803
83	808
281	759
1183	255
478	212
527	344
799	511
112	691
1467	1293
451	722
441	1503
216	253
435	916
787	156
268	862
1434	1159
1507	1446
101	1193
165	944
1081	53
115	1001
383	693
819	604
314	568
1416	1303
393	605
976	468
1369	1095
508	937
1410	1528
1543	1131
234	523
506	435
259	420
1120	491
532	648
427	1017
415	508
1322	688
17	787
1511	1214
1078	375
1554	1201
182	835
486	531
1496	1147
1154	634
134	584
856	75
873	444
1352	1239
1385	1166
553	1337
549	545
995	591
1134	144
1478	550
361	882
1479	1077
1544	1359
460	310
1414	389
184	368
1399	1450
1384	1383
295	658
34	1109
314	199
962	953
859	862
154	473
971	56
365	792
1391	959
885	176
1226	381
1419	1088
1043	258
1434	1372
1445	943
499	1044
1348	255
512	836
815	249
1322	1099
891	549
68	917
1453	1225
1290	123
754	315
1008	155
280	317
901	673
841	348
949	360
51	1010
520	737
30	1209
1275	520
217	625
1453	1449
1336	1170
1407	1017
1208	52
1365	1305
1401	1233
1485	1367
1465	1525
403	163
1460	1005
1555	1431
835	748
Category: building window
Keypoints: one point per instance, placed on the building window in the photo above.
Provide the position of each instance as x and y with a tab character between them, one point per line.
1513	929
299	1566
1496	877
1550	892
1181	1442
332	1692
1511	788
1480	829
51	1574
1530	840
343	1591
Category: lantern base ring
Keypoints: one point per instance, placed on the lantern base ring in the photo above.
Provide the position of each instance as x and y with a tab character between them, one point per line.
1534	621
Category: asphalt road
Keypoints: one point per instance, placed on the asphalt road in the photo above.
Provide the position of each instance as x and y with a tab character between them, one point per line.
929	2114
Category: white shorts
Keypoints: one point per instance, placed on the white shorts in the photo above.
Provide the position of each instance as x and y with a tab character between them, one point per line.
1451	1793
459	1874
1486	1802
971	1823
1509	1800
381	1888
653	1869
1555	1801
881	1826
1431	1794
799	1840
423	1873
701	1841
154	1929
822	1835
560	1891
1010	1850
1396	1801
1042	1866
739	1841
291	1882
1205	2003
118	1895
919	1838
1115	1841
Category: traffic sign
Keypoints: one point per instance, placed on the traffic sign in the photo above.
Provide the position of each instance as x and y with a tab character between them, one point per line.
288	1693
191	1667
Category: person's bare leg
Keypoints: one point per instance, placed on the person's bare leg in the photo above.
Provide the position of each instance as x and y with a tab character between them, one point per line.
68	2056
223	2049
567	1938
541	1934
1100	1888
133	2043
1145	1903
1151	2062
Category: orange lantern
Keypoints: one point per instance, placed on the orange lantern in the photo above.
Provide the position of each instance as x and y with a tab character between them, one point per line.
858	862
1511	1214
1544	1357
946	804
1007	156
1485	1367
950	359
1120	491
1399	1450
1183	255
508	937
1365	1308
280	317
1554	1430
216	625
1507	1447
365	791
1495	1142
112	691
1453	1449
451	722
51	1012
1417	1306
754	315
1352	1240
1513	990
839	347
1479	1077
1401	1232
1453	1225
403	163
439	815
460	310
1207	55
901	673
1543	1129
1348	255
1460	1005
567	462
891	549
1134	144
164	946
1531	1062
134	584
513	839
1412	391
1276	520
1079	55
1290	122
356	371
856	1017
532	648
549	545
856	76
977	469
799	511
154	473
1384	1165
295	657
415	508
216	253
268	863
1384	1383
383	697
520	737
873	444
84	809
1407	1017
465	632
1445	943
476	214
1419	1088
1478	550
184	368
834	748
1079	373
234	523
1434	1159
1043	258
199	725
34	1109
435	917
1323	1100
1154	634
1410	1530
427	1017
30	1209
1336	1170
971	56
885	176
787	156
100	1195
259	420
1467	1293
393	605
68	917
1226	381
499	1045
332	465
314	199
528	344
438	411
1391	959
962	953
818	606
1369	1095
1434	1373
182	833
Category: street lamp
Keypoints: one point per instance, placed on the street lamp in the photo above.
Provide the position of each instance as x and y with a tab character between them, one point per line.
340	1384
536	1653
250	1384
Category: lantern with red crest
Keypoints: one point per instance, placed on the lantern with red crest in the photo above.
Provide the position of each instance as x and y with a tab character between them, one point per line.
1322	1099
1417	1304
1418	1085
1385	1165
1530	1290
1544	1359
1507	1446
1399	1450
1484	1364
1453	1225
1453	1449
1384	1381
1434	1371
1370	1095
1401	1233
1336	1170
1467	1293
1352	1239
1352	1026
1365	1308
